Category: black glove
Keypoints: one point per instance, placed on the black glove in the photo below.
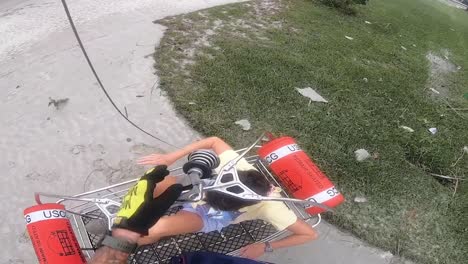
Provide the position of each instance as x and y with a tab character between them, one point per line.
139	210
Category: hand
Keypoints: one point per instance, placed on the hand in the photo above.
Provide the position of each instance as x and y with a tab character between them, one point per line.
139	210
253	251
157	159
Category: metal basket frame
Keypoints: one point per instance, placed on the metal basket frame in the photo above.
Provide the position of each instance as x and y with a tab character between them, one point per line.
82	209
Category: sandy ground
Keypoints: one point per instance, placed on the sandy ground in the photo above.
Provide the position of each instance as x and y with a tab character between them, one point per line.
84	144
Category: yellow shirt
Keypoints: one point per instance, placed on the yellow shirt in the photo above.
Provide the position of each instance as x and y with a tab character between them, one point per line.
274	212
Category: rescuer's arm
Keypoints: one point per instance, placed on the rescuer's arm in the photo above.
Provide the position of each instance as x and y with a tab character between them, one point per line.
108	255
214	143
139	212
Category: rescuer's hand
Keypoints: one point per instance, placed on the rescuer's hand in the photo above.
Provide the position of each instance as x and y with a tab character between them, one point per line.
139	210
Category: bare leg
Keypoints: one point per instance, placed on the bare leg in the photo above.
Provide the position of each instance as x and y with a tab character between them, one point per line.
181	223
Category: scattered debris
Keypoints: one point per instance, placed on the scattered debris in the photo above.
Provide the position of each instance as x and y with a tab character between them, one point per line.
414	45
433	130
409	129
361	154
139	95
375	155
434	90
360	199
386	255
350	38
192	103
244	123
464	151
311	94
57	102
380	80
129	140
365	79
403	48
17	86
75	150
459	67
126	112
447	177
367	22
452	29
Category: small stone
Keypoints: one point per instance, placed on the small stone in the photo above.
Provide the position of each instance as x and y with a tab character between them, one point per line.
465	149
129	140
48	118
140	96
360	199
403	48
76	151
361	155
17	86
414	45
365	80
459	68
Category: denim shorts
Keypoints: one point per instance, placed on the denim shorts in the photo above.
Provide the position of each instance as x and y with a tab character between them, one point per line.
213	220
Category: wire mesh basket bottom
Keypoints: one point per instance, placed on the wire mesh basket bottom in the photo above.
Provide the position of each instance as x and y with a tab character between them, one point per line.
227	241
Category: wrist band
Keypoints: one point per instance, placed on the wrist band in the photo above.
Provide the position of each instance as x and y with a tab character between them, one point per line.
119	244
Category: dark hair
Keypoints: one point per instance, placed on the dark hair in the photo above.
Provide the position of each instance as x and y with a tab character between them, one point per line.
225	202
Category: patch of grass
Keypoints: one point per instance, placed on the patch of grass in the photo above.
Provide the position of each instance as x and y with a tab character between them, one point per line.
244	61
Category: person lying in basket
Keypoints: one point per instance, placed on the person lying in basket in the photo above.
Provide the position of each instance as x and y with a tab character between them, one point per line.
220	210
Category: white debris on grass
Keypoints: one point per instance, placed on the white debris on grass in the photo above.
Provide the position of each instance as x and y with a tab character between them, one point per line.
433	130
459	68
367	22
403	47
386	255
348	37
434	90
192	103
409	129
361	154
360	199
465	149
414	45
311	94
365	79
244	123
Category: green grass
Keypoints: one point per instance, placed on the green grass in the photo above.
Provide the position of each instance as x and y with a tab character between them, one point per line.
257	56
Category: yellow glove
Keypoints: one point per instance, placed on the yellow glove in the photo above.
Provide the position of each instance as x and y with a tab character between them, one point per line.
139	210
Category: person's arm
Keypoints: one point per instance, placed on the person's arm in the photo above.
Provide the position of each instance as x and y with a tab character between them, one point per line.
214	143
108	255
301	233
